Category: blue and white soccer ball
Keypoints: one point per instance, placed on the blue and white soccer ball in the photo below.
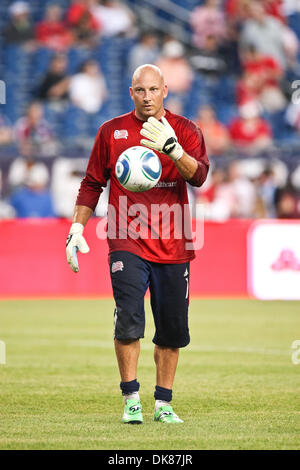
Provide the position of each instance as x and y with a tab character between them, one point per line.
138	169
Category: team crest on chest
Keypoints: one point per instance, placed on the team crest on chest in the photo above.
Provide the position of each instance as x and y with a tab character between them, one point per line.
121	134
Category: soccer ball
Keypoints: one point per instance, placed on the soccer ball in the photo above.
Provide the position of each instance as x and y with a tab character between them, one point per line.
138	169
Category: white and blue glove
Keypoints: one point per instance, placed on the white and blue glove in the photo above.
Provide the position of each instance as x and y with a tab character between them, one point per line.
161	137
75	242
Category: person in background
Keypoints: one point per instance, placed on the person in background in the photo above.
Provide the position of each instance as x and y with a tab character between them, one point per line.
207	194
208	59
77	9
114	18
244	192
230	194
261	81
67	174
19	29
236	11
6	133
249	132
177	71
267	34
55	84
85	27
145	51
292	115
6	210
275	8
52	31
216	135
266	189
85	35
217	196
33	130
21	167
33	199
207	20
88	88
287	202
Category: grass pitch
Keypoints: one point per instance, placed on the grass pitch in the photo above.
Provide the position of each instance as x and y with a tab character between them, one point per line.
236	386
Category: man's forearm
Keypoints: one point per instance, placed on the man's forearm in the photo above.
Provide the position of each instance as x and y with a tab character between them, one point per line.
187	166
82	214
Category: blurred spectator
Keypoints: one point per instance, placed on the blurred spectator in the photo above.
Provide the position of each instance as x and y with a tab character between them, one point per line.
6	210
236	11
77	9
19	30
218	201
229	195
207	193
244	192
114	18
249	132
6	134
33	199
266	189
21	168
287	203
260	81
274	8
208	60
268	35
85	35
176	70
216	135
292	116
55	84
67	174
207	20
84	25
229	50
52	31
88	88
145	51
33	130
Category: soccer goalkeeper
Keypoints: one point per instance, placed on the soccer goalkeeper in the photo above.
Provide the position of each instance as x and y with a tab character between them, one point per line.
138	263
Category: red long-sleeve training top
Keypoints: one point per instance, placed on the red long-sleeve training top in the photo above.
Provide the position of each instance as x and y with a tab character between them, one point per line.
150	224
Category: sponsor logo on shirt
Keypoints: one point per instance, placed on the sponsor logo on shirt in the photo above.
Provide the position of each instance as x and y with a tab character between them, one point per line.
117	266
121	134
166	184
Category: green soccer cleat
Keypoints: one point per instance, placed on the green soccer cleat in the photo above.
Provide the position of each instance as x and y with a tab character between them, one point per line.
132	412
165	414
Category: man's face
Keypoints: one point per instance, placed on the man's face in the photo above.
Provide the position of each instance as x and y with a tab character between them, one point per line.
148	92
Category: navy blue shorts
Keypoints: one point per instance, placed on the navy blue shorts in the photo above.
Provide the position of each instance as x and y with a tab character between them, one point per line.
169	292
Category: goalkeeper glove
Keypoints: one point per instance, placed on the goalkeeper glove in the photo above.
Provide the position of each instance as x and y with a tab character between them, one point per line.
161	137
75	242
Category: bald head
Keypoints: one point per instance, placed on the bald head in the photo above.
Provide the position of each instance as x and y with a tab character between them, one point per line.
149	70
148	91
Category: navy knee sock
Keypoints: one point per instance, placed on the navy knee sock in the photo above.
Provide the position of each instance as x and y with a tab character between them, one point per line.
161	393
129	387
